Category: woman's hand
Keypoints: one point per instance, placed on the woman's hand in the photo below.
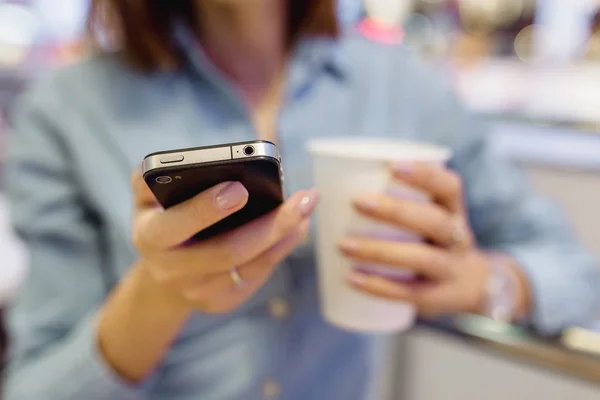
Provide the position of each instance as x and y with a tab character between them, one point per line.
455	272
173	277
200	274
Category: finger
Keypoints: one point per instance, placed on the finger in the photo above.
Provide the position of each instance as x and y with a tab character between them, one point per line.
242	245
423	218
431	301
160	229
254	274
380	287
436	300
444	186
278	252
143	196
420	258
219	294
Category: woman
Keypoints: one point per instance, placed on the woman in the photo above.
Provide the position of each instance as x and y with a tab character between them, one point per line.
104	317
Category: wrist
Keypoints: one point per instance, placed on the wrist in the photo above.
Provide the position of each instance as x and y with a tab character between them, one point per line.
138	323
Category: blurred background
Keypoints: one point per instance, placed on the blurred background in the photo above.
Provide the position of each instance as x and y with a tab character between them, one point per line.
532	67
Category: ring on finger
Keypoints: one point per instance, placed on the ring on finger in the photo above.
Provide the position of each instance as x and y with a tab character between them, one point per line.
460	234
236	278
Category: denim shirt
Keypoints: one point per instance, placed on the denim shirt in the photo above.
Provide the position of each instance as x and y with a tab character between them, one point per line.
79	134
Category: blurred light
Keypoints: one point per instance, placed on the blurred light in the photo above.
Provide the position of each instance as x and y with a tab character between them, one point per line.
18	28
470	48
565	28
508	12
524	45
485	16
65	22
473	16
17	24
389	12
582	339
433	6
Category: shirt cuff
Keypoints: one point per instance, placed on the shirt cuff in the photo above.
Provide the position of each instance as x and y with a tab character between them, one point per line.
563	288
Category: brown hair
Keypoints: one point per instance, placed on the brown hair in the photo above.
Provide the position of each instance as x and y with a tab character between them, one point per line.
143	28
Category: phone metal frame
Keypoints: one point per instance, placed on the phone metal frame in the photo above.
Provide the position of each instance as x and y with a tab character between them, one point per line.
209	155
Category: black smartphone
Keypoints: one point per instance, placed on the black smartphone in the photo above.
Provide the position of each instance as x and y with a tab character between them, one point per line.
177	175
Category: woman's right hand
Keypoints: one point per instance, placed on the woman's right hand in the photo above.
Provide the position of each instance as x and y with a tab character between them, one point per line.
198	275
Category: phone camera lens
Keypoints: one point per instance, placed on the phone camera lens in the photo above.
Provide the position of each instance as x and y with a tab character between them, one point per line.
249	150
164	180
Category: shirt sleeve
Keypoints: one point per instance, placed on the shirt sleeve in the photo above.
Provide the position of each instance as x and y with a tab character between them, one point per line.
52	324
507	215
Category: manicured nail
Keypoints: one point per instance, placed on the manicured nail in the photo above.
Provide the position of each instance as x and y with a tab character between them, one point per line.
403	168
308	203
367	202
231	196
357	278
349	245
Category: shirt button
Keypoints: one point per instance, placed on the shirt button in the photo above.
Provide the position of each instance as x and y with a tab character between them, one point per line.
279	308
271	390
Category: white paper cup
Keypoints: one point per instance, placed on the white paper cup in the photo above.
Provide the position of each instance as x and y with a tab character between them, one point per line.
343	169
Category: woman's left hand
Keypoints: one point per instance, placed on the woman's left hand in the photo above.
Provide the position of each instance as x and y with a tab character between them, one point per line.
455	271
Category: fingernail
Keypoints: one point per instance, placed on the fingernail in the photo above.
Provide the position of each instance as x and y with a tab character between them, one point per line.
349	245
367	202
308	203
231	196
357	278
403	168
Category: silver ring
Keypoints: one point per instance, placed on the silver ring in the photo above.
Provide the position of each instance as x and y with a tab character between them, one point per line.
236	278
460	233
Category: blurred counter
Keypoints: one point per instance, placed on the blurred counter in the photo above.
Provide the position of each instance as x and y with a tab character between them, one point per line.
474	359
571	354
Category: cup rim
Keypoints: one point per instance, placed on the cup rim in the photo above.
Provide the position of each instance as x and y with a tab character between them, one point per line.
394	150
